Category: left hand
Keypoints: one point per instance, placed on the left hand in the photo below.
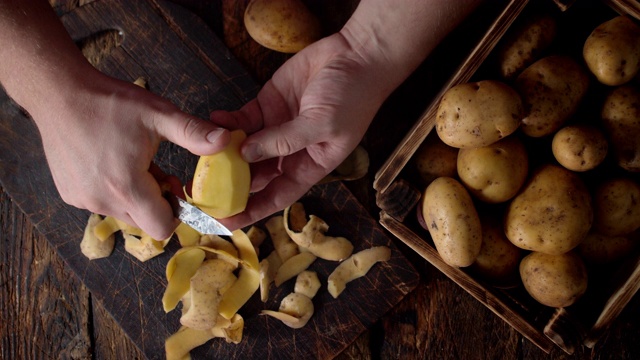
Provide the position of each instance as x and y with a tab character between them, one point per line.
304	122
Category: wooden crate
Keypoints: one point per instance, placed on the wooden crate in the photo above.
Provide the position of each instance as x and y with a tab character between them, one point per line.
398	195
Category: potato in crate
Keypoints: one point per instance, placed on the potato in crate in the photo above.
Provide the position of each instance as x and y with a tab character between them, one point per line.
520	182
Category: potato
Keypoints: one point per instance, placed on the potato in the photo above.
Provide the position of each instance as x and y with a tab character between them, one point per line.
496	172
526	44
554	280
621	120
478	114
598	249
612	51
498	259
617	207
551	90
221	182
434	159
552	214
282	25
452	221
579	147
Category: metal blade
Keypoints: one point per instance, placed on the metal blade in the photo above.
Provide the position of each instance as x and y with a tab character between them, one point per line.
196	218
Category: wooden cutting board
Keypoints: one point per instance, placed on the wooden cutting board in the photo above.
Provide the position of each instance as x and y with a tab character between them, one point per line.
184	62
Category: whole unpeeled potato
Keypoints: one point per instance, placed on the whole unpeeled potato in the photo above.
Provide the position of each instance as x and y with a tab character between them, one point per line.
494	173
612	51
498	259
580	147
551	90
282	25
554	280
478	114
621	120
434	159
552	214
598	249
526	44
452	221
617	207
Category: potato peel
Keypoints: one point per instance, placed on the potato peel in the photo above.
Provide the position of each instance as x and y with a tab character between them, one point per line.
181	267
357	265
206	288
295	310
248	279
294	266
93	247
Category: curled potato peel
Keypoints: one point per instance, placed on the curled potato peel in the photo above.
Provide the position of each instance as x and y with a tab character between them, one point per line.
92	246
307	283
282	243
357	265
310	235
207	285
181	267
294	266
248	279
143	248
295	310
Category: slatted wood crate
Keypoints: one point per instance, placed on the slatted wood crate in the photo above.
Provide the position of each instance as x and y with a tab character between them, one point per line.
398	192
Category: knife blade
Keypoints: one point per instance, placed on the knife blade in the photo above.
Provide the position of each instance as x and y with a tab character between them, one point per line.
195	217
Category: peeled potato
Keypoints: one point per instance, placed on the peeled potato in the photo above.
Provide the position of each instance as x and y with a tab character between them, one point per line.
222	181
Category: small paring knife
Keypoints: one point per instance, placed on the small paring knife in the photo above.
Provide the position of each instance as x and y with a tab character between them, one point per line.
195	217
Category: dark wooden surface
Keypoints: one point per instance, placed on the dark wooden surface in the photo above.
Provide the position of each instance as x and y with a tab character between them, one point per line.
47	312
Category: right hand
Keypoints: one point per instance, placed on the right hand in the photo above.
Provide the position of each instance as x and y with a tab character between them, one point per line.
101	140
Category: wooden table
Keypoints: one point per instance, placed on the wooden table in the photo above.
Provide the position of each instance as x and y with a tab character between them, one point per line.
46	312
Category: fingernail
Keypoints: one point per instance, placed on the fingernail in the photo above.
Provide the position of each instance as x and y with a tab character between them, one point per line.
252	152
214	135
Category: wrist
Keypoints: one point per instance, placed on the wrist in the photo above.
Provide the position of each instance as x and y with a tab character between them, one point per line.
394	38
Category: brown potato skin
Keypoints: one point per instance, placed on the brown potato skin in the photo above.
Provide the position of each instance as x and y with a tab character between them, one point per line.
498	259
286	26
598	249
434	159
552	214
579	147
551	90
478	113
612	51
526	45
452	221
554	280
617	207
496	172
621	120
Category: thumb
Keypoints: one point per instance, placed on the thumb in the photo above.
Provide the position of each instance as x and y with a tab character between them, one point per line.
196	135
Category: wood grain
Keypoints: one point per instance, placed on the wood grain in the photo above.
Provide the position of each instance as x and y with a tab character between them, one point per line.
438	320
198	75
46	309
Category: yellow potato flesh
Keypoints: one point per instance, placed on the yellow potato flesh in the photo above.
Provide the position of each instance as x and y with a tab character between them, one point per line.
294	266
178	345
92	246
206	288
222	181
248	279
179	273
